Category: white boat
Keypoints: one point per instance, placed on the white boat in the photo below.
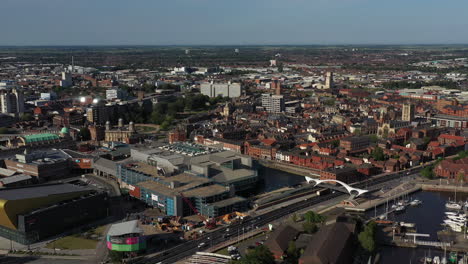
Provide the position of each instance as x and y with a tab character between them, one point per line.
455	227
456	218
444	260
400	209
450	213
382	216
428	260
415	202
436	260
451	222
394	206
453	206
407	224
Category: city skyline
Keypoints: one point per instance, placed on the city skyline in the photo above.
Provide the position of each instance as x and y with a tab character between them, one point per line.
207	22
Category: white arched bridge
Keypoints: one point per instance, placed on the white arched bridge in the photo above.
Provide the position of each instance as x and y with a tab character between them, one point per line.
355	192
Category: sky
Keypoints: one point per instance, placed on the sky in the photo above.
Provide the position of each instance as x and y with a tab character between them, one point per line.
232	22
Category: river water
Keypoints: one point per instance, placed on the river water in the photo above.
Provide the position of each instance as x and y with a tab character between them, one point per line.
273	179
427	217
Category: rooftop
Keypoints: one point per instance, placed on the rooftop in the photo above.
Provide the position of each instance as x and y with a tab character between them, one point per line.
229	201
39	191
120	229
184	182
40	137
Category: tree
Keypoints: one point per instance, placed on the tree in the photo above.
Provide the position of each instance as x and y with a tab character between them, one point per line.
280	67
461	177
165	125
294	217
313	217
426	140
357	132
26	117
259	255
378	154
428	172
85	134
461	155
310	228
335	143
293	253
373	138
367	237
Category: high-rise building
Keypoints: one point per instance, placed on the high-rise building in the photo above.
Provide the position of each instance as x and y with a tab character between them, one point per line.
229	89
329	80
276	85
66	79
11	100
273	103
99	114
408	112
116	93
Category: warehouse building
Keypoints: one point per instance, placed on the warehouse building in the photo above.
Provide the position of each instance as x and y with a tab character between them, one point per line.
172	194
31	214
226	168
42	165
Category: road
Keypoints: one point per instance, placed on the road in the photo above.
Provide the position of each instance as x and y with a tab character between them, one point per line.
38	260
189	248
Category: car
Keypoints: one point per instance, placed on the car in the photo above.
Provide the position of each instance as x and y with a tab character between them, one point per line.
202	244
235	257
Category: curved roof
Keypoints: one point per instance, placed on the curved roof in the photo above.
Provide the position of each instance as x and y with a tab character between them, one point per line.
15	201
40	137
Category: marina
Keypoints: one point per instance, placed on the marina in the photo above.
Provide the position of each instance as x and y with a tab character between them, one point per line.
423	225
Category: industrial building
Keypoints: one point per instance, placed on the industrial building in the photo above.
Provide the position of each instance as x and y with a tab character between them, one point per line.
229	89
31	214
42	165
226	168
273	103
175	195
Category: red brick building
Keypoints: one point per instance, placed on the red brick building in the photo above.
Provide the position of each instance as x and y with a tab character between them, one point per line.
453	169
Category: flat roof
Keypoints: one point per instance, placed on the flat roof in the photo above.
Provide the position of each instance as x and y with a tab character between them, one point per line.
228	175
184	181
229	201
206	191
40	191
129	227
15	178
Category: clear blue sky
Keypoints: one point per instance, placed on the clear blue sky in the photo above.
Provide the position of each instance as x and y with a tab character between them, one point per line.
232	22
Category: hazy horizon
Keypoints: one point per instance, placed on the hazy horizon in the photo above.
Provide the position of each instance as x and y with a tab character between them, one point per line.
233	23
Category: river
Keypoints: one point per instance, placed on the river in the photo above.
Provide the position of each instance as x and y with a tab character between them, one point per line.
427	217
273	179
